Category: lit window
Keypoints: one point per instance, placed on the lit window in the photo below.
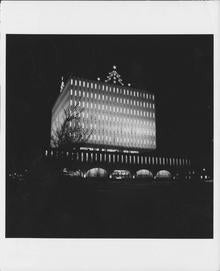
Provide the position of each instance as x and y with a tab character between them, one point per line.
124	91
71	92
134	159
71	102
75	82
95	86
91	85
84	83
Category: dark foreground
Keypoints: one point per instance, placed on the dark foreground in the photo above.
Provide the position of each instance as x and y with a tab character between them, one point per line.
70	209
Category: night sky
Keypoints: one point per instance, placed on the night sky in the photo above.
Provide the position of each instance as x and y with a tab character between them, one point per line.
177	68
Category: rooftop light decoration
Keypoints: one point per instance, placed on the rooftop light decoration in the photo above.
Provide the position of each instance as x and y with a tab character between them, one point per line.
114	77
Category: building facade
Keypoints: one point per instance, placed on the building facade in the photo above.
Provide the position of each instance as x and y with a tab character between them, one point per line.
123	124
117	115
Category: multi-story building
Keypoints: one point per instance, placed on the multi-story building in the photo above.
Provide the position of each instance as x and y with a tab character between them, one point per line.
123	124
118	115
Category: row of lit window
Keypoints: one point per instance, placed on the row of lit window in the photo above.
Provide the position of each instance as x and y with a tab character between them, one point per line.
109	120
129	127
124	158
117	90
111	99
108	139
115	123
101	134
132	159
115	109
112	129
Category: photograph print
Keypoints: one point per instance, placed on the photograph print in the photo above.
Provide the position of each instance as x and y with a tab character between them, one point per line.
109	136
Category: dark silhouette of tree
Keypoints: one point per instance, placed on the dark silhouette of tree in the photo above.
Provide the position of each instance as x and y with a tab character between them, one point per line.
70	133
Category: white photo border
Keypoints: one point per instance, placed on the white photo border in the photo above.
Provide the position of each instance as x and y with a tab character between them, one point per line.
110	17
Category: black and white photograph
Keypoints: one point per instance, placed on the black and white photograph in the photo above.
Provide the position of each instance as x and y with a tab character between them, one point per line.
109	136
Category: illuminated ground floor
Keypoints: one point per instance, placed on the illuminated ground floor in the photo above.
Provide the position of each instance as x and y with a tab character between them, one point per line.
88	162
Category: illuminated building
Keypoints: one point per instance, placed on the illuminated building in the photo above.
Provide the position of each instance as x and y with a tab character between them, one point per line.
118	115
123	124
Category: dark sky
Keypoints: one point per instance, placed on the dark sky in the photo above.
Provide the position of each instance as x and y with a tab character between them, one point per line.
177	68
